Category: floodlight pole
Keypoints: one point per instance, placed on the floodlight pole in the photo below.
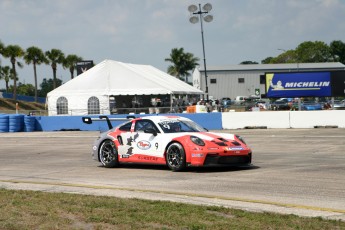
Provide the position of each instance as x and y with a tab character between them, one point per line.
203	46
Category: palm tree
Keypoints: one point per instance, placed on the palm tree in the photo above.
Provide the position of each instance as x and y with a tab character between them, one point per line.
35	56
181	63
71	63
5	73
55	56
2	46
13	52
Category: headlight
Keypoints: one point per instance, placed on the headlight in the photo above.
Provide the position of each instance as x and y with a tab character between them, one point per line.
197	140
241	139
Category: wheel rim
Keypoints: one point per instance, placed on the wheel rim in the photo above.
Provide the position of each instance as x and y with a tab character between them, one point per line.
107	152
174	156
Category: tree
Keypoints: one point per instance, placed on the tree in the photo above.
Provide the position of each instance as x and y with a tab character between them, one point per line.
55	56
70	62
47	86
289	56
248	62
35	56
2	46
267	60
311	52
25	89
13	52
5	73
338	50
181	63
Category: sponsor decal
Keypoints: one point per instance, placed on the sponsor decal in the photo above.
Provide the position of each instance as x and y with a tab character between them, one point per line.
125	156
197	155
143	145
235	148
147	158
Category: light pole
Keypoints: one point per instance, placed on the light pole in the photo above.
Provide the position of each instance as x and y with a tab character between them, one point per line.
194	10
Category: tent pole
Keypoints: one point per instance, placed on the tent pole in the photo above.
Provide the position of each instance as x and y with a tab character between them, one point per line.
171	102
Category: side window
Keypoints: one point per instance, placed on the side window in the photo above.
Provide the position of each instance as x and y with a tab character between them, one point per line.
126	127
62	105
141	125
93	105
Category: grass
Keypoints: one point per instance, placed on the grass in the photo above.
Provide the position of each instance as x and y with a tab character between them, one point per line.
41	210
9	106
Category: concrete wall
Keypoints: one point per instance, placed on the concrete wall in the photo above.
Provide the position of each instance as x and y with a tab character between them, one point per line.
283	119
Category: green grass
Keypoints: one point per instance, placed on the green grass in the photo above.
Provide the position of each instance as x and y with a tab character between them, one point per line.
41	210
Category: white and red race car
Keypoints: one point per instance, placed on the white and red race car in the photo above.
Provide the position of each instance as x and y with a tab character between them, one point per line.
177	142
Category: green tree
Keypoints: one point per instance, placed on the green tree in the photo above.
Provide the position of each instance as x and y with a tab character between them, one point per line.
248	62
311	52
25	89
338	50
181	63
55	56
14	52
5	73
35	56
70	62
2	46
267	60
47	86
289	56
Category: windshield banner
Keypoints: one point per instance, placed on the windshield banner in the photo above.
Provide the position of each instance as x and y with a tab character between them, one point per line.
311	84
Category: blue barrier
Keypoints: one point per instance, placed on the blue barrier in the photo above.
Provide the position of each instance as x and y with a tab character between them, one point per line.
211	121
4	123
23	97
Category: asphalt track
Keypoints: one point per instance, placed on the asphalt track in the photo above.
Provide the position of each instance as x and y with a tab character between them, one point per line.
295	171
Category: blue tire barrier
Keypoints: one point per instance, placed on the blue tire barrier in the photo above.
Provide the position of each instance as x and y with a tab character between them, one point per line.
4	123
29	123
16	123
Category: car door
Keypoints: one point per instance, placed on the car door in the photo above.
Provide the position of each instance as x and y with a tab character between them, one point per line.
141	143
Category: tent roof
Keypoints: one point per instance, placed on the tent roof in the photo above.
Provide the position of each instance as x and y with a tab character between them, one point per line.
118	78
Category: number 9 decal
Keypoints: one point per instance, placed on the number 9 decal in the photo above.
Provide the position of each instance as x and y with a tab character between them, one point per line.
156	145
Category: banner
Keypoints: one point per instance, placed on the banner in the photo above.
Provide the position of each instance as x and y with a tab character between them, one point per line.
306	84
83	66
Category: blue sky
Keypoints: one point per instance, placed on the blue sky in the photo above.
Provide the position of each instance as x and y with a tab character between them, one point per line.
145	31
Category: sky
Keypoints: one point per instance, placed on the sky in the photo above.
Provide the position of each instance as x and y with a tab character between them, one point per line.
145	31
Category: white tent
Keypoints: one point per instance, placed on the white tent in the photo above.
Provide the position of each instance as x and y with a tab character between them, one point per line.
111	78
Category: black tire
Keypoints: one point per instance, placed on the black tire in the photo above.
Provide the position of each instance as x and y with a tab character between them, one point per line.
176	157
108	154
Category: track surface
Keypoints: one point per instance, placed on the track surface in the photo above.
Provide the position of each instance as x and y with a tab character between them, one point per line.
298	171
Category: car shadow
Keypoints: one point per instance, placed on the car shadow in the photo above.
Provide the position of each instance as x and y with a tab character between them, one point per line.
204	169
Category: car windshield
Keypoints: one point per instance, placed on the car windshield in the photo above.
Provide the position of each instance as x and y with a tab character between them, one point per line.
177	126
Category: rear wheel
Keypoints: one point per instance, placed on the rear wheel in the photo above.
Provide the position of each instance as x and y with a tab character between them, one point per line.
108	154
176	157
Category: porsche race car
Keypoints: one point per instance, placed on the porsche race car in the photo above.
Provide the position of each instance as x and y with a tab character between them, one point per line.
175	141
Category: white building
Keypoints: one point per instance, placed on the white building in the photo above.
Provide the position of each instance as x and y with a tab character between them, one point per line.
244	80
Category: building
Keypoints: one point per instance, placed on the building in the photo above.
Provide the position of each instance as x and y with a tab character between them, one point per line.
244	80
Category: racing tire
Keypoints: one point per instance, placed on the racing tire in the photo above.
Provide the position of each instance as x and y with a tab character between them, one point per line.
108	155
176	157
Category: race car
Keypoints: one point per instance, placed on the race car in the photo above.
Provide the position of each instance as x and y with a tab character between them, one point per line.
175	141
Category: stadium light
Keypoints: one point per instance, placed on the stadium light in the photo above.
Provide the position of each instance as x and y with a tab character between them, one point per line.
203	15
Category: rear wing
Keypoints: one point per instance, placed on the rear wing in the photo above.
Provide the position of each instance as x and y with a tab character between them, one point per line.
89	120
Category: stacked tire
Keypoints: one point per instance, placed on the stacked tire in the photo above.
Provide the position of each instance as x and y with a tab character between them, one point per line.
16	123
4	123
29	123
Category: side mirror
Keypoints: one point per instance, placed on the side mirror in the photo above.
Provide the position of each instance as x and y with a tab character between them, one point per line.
152	131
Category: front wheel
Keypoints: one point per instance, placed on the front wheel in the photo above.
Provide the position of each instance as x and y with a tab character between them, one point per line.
176	157
108	154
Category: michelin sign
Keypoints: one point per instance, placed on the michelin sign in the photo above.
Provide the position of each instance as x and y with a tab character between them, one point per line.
312	84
